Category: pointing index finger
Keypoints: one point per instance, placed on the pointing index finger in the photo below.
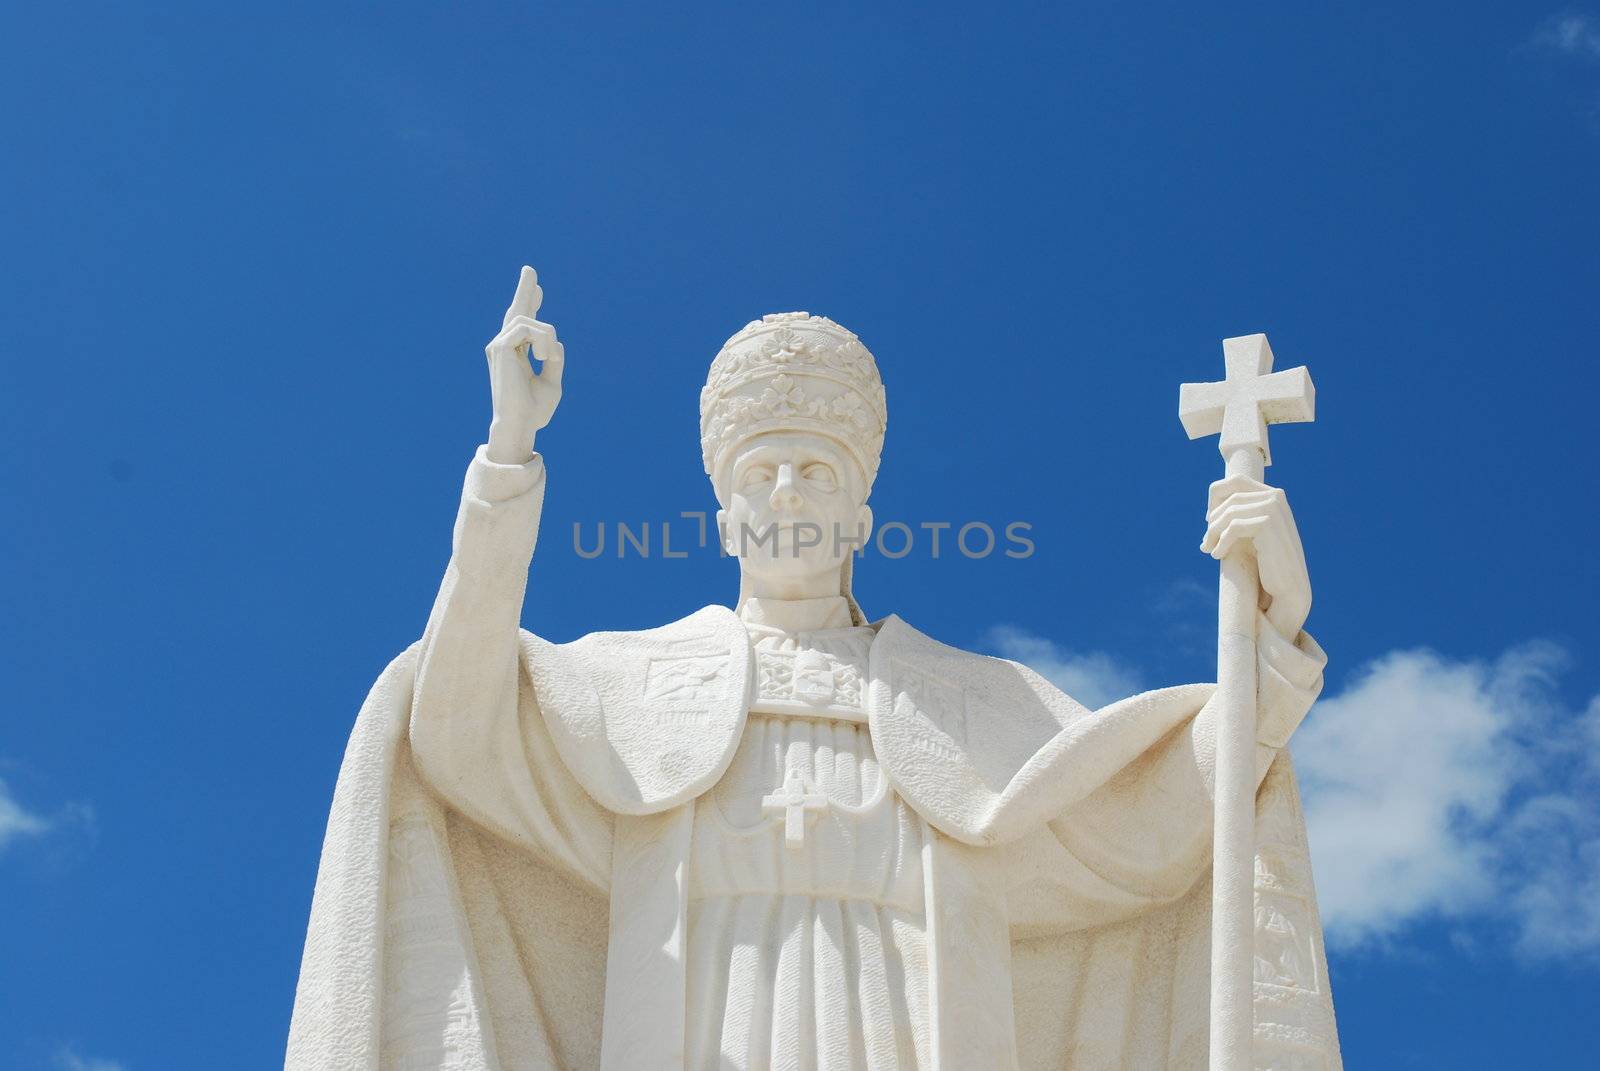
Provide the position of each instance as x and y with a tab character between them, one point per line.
527	299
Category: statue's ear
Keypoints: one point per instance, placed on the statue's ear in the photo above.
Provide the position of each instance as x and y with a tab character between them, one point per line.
722	533
864	524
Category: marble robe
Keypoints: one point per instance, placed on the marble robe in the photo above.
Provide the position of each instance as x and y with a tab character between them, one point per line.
816	846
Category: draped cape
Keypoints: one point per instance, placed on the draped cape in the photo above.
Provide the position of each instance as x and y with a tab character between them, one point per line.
435	943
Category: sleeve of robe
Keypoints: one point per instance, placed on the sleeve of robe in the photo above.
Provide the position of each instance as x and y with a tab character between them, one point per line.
477	734
1143	838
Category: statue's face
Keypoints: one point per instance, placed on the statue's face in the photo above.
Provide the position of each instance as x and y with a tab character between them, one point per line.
792	503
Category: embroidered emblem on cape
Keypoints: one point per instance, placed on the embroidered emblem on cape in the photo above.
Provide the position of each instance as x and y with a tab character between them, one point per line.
683	681
943	707
645	720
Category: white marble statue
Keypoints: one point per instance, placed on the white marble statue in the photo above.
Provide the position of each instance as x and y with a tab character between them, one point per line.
783	836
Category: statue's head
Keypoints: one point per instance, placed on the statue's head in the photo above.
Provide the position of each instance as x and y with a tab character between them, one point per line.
791	429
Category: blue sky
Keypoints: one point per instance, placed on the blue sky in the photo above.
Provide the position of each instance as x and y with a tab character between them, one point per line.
252	260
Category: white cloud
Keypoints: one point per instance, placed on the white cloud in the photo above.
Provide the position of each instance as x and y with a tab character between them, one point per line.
1572	33
1456	791
1093	678
16	820
60	835
1436	790
68	1059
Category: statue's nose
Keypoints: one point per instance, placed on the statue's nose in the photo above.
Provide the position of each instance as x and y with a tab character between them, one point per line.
785	495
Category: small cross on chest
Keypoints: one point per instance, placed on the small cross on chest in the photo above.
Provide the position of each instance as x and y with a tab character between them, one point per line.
797	796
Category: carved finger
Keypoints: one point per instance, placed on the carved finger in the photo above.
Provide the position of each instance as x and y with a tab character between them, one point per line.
527	299
1245	529
1254	499
552	360
505	342
522	332
1233	485
1232	511
524	327
1242	505
539	334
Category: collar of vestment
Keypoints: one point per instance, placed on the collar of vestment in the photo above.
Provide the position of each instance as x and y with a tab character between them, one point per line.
649	720
795	615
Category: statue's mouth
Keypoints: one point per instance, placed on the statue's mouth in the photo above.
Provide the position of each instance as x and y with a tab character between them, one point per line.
786	537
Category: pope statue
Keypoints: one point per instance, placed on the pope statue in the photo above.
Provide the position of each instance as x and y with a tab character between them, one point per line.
782	835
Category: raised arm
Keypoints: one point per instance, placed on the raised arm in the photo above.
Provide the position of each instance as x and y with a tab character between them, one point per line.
469	654
476	733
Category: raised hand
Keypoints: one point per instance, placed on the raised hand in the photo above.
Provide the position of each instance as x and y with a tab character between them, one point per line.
524	401
1241	510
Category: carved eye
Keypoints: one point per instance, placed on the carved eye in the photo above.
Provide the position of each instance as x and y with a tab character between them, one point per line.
755	476
819	473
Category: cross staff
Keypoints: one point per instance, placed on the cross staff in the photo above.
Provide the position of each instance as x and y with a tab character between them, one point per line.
1239	408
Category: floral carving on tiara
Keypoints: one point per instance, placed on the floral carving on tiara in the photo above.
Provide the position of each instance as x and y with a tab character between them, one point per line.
794	371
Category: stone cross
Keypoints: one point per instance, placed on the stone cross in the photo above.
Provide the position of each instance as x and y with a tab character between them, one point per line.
797	796
1247	400
1240	407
